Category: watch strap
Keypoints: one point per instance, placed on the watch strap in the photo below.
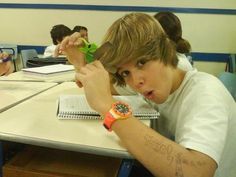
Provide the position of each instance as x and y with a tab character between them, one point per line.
108	121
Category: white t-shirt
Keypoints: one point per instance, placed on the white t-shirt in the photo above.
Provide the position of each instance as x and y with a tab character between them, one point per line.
183	63
49	51
201	115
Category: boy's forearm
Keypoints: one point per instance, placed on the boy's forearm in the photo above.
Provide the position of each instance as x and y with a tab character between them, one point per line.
165	158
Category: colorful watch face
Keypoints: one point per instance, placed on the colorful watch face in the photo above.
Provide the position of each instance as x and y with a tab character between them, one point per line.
118	111
121	109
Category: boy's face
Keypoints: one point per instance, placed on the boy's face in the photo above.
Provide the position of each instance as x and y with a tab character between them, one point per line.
150	78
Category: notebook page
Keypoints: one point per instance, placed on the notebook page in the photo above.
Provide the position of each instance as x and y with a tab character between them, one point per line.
72	106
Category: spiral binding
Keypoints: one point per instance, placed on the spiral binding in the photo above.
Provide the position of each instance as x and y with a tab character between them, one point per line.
91	115
78	116
141	111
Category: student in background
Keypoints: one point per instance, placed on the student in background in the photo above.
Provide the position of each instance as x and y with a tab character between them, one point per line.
196	130
6	66
58	32
173	28
82	30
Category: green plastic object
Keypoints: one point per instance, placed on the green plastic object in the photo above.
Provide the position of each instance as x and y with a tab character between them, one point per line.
88	50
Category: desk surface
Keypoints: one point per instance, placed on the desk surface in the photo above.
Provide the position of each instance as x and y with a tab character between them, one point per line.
12	93
35	122
20	76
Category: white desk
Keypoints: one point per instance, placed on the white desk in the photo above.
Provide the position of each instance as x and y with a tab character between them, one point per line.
35	122
13	93
20	76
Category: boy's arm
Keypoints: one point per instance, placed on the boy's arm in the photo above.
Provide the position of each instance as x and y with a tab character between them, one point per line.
160	155
70	46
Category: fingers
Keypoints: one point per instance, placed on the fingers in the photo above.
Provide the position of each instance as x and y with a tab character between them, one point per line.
86	71
78	83
91	67
98	64
79	78
69	41
82	74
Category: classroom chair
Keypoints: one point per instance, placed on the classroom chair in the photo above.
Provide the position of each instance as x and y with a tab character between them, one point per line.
229	80
28	54
232	63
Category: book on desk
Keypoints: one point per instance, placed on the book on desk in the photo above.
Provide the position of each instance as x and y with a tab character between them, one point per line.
50	73
50	70
37	62
77	107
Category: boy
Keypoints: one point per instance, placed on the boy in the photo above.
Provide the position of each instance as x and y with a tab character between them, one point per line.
198	115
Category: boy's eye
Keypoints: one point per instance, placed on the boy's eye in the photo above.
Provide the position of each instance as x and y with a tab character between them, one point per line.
124	74
140	63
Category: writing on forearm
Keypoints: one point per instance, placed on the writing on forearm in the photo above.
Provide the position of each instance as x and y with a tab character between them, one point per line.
159	147
176	158
179	168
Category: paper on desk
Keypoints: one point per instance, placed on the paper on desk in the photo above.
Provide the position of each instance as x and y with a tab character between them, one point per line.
47	70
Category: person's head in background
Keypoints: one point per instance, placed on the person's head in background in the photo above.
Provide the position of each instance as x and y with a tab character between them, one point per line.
58	32
82	30
172	26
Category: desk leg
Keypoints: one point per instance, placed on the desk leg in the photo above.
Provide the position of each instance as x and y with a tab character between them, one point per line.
125	168
1	157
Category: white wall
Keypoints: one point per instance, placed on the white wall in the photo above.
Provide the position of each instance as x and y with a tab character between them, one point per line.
206	32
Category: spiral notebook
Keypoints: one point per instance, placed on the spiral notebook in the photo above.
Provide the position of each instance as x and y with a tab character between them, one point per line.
77	107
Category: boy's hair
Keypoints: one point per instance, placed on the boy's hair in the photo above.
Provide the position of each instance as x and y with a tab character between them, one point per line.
135	36
58	32
172	26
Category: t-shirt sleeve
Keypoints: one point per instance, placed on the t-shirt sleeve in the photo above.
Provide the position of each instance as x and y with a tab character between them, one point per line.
204	127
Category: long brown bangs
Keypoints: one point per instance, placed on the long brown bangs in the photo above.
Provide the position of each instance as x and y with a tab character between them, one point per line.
121	54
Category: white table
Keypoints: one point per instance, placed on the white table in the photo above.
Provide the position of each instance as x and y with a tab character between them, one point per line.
34	121
13	93
20	76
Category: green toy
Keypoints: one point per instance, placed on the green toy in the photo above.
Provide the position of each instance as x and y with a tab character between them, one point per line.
88	50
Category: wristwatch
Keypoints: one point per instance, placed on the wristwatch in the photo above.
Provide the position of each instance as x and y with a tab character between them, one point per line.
119	110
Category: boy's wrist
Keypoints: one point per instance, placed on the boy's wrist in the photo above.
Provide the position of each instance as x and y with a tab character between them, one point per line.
106	107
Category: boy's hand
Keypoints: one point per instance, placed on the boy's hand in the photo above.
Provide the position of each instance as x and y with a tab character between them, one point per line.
70	46
96	82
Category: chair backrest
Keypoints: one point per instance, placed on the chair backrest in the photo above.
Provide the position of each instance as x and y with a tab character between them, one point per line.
229	80
232	63
28	54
